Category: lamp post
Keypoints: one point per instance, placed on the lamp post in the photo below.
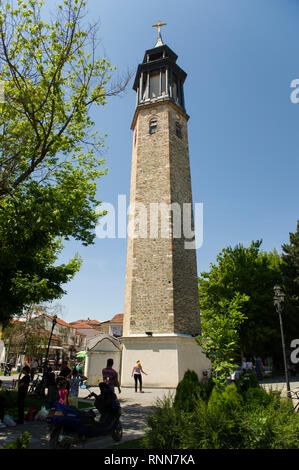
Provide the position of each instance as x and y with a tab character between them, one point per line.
54	321
278	301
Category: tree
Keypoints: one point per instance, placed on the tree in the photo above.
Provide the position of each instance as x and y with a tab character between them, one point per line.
250	272
52	78
290	272
30	241
220	335
27	334
49	155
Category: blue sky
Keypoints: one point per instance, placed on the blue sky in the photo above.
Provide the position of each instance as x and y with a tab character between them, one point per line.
241	57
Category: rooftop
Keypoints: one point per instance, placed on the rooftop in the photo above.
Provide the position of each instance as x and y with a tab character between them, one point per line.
118	318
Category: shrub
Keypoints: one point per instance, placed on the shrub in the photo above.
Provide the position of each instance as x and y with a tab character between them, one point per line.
271	426
190	390
256	397
227	399
187	392
10	397
246	381
254	419
22	442
167	423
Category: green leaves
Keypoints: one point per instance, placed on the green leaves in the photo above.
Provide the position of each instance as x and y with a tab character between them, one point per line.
243	274
52	78
220	335
50	154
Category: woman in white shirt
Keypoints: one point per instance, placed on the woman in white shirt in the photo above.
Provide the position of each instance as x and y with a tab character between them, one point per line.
137	370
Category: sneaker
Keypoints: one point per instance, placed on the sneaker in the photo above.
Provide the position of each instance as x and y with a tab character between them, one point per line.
141	391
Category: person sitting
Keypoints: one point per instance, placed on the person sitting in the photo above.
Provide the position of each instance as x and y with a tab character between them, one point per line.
106	403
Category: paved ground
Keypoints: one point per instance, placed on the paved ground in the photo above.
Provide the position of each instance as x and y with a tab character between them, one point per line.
135	407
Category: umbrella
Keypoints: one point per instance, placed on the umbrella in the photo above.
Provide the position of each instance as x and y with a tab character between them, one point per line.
81	354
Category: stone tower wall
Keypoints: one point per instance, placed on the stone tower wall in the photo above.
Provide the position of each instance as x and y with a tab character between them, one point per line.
161	279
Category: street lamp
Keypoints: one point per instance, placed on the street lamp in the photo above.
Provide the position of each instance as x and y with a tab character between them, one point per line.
54	321
278	301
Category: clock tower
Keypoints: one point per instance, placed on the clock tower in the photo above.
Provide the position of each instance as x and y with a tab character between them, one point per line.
161	313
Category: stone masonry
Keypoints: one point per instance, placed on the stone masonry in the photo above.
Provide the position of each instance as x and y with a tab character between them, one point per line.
161	293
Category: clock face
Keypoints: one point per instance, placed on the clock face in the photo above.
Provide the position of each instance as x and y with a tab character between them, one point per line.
153	111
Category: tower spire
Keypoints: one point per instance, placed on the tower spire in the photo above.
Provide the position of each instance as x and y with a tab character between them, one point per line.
159	40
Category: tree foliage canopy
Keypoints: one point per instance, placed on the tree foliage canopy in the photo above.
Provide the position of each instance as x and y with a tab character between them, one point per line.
52	77
50	155
220	335
244	271
290	271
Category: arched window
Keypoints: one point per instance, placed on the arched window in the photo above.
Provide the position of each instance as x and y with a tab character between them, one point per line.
178	130
153	126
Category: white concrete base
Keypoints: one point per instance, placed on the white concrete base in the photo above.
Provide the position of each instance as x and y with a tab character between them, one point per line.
164	358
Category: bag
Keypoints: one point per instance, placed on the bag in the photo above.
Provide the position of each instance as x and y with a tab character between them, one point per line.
31	414
9	421
42	414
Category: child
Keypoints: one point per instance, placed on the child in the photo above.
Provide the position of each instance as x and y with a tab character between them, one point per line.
22	393
74	387
2	401
62	390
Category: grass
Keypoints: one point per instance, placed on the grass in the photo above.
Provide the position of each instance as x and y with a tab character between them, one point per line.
31	401
133	444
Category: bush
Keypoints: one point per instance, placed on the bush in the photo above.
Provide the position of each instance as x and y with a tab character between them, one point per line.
229	419
217	423
190	390
246	381
227	399
11	405
187	392
22	442
10	398
166	425
256	397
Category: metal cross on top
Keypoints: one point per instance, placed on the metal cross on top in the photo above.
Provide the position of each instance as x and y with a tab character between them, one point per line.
158	25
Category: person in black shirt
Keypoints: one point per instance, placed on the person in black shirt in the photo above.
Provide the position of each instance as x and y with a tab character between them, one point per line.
22	393
50	381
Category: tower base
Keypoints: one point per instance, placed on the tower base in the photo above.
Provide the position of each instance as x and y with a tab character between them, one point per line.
164	358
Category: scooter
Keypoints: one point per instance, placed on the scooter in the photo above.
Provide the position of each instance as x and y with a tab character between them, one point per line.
69	426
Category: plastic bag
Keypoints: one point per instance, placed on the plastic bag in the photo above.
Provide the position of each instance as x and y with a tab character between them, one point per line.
9	421
42	414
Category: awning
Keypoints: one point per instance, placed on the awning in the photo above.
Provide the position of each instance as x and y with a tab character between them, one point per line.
81	354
